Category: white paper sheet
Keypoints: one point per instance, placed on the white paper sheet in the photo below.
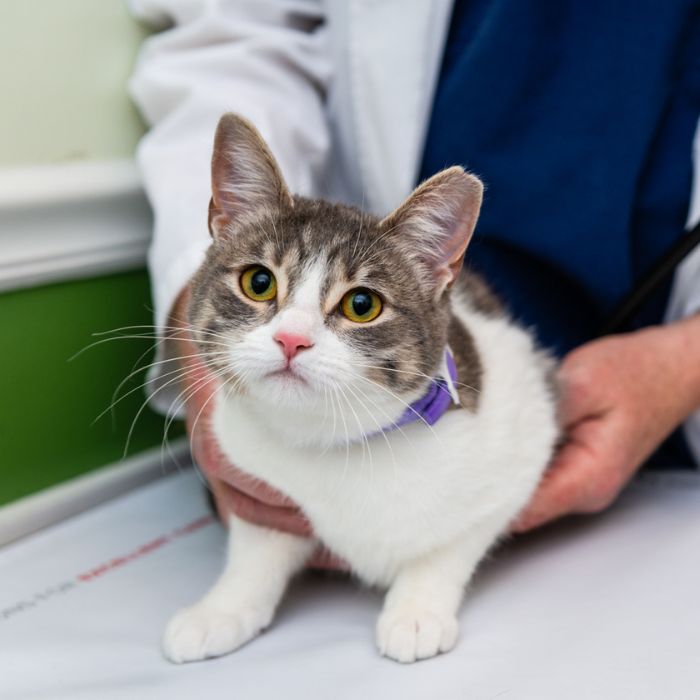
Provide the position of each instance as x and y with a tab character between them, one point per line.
601	609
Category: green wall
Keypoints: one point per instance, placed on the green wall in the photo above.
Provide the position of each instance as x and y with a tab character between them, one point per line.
48	403
63	71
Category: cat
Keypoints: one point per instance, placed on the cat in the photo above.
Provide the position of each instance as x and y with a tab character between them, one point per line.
328	327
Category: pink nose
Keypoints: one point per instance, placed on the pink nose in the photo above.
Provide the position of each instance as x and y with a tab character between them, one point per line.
292	343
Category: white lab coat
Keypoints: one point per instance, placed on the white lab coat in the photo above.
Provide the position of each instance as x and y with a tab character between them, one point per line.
340	89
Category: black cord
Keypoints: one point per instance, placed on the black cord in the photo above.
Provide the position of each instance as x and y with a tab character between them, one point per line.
632	302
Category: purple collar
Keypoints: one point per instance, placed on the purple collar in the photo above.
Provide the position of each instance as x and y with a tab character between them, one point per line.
430	407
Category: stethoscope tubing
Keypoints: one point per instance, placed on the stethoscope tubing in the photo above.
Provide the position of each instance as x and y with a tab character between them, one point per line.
620	320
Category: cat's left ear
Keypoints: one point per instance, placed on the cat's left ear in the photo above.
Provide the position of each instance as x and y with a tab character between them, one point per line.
245	178
437	222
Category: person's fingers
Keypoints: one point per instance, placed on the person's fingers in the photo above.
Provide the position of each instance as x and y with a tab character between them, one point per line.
197	381
231	500
323	558
557	494
214	464
228	500
199	386
579	398
217	487
237	492
583	478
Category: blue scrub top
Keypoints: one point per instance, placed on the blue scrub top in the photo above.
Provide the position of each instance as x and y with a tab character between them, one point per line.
580	117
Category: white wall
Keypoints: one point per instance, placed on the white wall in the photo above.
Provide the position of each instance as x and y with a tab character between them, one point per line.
63	71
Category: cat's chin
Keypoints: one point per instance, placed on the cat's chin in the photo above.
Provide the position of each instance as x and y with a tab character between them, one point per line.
287	378
290	389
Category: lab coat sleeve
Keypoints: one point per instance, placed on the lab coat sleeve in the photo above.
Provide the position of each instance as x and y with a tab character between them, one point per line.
266	60
685	296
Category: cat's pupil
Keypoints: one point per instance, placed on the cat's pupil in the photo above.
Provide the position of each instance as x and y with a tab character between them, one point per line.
260	281
362	303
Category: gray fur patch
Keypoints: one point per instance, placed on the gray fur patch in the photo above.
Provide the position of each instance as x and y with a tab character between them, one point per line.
470	370
479	295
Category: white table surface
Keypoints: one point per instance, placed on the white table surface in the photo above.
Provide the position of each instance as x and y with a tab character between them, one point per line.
598	609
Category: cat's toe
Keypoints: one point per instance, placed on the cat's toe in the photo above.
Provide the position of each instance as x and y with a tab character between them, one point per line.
407	635
201	632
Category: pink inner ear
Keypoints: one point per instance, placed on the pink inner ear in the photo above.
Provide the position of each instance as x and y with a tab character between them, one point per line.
245	177
441	215
217	219
456	244
438	221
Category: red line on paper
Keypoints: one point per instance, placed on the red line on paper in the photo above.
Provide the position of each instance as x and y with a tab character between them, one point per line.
101	569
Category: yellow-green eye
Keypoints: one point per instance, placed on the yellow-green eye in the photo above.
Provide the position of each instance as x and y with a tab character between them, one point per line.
259	284
361	305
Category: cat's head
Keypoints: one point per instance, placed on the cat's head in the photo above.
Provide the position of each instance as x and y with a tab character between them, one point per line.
301	303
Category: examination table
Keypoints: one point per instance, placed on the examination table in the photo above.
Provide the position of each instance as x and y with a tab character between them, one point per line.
595	608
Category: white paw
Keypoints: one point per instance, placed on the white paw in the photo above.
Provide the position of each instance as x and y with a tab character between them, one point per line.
408	634
202	632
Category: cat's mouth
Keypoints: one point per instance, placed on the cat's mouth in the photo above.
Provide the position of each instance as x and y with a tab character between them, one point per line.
288	374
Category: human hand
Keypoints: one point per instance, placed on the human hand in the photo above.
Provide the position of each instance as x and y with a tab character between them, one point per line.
621	397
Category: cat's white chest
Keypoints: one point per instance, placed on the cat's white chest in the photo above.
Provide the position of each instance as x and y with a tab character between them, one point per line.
387	501
370	502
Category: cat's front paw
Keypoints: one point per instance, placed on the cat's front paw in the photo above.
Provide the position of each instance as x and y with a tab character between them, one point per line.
407	634
203	632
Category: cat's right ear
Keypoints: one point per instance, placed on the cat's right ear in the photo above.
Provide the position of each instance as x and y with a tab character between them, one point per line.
437	221
246	180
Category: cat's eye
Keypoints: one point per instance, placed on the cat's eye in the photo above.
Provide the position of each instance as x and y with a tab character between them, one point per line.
361	305
258	283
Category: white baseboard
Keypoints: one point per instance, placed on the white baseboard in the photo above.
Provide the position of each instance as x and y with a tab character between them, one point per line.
73	220
40	510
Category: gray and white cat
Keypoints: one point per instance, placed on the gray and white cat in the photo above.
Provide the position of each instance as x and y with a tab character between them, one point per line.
326	324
